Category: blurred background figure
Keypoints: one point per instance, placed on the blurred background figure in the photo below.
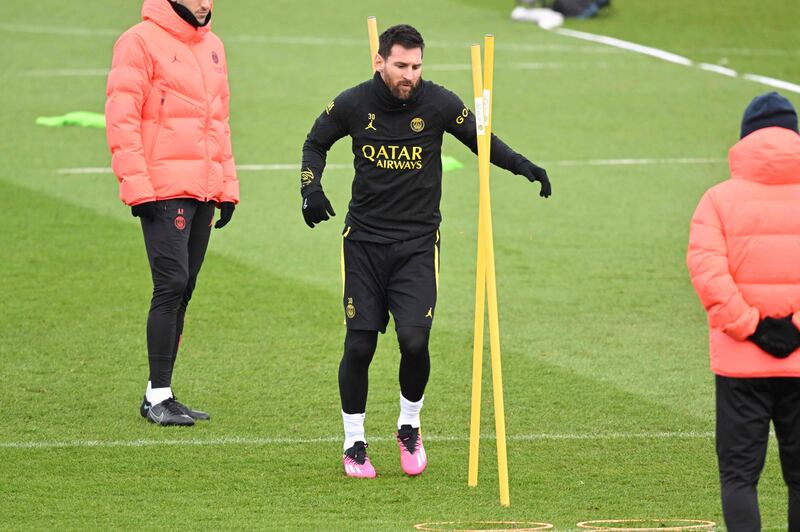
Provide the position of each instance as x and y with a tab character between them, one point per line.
550	14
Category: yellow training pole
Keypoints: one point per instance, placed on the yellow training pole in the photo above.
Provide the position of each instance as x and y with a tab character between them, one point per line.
372	30
488	79
480	288
491	285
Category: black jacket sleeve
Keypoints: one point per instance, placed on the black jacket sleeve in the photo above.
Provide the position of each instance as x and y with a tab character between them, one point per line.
329	127
459	121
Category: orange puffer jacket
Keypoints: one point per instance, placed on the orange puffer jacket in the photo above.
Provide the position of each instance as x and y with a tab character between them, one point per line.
167	111
744	252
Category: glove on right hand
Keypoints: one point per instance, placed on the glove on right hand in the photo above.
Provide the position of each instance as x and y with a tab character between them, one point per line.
316	208
145	210
778	337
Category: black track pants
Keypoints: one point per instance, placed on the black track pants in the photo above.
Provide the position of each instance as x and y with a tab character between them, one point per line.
176	243
745	408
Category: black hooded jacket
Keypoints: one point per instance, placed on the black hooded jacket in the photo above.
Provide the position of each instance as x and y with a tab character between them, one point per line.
397	155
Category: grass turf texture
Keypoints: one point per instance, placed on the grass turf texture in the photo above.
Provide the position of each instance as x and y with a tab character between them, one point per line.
603	339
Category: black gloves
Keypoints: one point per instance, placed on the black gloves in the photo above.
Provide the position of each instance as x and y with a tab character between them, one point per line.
535	173
148	210
144	210
778	337
316	208
226	209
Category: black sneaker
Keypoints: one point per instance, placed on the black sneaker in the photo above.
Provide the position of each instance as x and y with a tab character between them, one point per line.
197	415
167	413
145	407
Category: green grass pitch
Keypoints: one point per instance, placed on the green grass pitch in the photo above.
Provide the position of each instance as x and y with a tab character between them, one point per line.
609	400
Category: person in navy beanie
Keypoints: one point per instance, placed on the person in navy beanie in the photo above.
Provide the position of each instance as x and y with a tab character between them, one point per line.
768	110
744	248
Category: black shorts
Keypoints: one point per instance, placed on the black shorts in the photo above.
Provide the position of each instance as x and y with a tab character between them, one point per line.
401	277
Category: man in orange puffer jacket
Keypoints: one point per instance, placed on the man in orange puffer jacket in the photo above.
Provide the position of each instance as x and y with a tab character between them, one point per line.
168	129
744	260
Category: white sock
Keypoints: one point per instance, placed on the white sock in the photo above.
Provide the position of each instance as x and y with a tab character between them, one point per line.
409	412
353	429
157	395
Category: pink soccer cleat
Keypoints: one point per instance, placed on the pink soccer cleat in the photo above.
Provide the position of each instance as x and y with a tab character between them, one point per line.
356	462
412	453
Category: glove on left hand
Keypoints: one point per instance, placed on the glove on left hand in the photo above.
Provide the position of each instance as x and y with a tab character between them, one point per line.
226	209
536	173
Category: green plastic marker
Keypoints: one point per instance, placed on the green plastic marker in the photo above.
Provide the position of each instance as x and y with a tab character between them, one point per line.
450	163
75	118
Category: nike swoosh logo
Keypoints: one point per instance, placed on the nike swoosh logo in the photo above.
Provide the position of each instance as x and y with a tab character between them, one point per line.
156	418
305	204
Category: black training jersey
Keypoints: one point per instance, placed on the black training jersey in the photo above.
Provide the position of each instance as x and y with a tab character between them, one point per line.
397	155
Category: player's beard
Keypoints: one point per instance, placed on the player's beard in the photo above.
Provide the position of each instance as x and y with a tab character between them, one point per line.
397	91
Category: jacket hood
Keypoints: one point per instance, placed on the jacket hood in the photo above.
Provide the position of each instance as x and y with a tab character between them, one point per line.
161	13
770	156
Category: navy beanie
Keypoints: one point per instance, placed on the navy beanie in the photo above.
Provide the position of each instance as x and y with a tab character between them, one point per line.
768	110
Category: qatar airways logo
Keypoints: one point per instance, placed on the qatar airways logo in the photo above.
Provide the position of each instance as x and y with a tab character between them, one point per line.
393	157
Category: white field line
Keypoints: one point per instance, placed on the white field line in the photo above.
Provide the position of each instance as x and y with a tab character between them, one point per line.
240	168
84	171
677	59
749	51
341	166
300	40
103	72
285	166
60	30
625	45
359	43
638	162
772	82
66	73
520	47
261	441
517	66
719	69
317	41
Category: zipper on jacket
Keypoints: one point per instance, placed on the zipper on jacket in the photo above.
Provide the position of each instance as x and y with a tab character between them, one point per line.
159	121
208	112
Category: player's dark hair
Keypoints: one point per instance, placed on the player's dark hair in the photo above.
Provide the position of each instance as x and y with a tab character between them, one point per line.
402	34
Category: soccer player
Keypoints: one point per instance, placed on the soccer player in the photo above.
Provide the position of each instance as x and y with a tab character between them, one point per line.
167	125
390	240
